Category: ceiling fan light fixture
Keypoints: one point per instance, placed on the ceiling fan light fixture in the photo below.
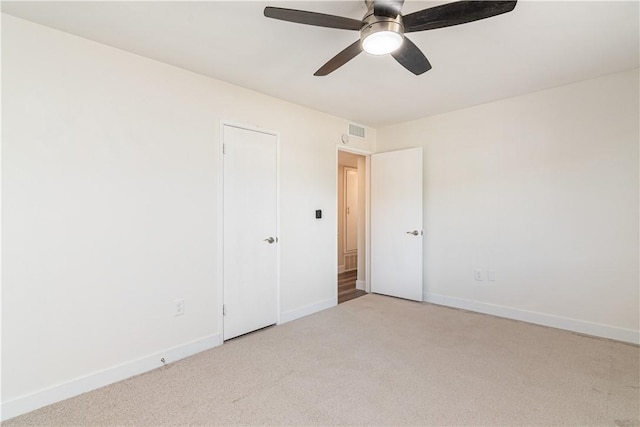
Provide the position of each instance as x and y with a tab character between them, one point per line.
382	42
381	35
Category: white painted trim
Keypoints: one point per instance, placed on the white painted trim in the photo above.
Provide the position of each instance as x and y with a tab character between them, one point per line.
361	284
354	150
367	215
220	210
341	269
297	313
220	286
30	402
569	324
278	236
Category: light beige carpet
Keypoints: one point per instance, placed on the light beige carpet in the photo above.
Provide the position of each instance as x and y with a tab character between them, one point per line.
378	361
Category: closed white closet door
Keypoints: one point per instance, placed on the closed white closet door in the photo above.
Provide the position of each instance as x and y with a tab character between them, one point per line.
249	230
396	223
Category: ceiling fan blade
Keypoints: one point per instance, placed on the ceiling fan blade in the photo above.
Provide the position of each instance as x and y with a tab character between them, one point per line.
388	8
340	59
456	13
312	18
411	58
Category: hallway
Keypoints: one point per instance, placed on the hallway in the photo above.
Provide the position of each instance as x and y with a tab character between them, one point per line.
347	286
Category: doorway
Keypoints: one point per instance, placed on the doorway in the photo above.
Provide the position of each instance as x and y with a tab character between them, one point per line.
351	225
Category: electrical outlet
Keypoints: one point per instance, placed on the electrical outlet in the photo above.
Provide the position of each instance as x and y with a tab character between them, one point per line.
178	307
491	275
477	274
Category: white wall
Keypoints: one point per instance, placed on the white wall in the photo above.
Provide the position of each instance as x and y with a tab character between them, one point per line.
110	210
543	190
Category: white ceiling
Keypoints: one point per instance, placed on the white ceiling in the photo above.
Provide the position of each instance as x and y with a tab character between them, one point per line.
541	44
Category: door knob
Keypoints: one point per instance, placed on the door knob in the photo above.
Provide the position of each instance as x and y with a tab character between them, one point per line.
270	240
414	232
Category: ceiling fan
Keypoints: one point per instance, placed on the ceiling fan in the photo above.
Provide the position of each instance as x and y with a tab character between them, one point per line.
383	28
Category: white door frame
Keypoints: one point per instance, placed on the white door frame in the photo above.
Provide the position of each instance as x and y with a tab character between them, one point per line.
367	212
220	211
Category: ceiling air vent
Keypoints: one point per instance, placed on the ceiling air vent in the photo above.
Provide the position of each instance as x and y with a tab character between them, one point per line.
355	130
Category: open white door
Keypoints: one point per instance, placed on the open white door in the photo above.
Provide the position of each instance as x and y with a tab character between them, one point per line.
396	223
250	227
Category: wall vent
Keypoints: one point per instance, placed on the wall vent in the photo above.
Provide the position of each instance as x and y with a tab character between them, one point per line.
355	130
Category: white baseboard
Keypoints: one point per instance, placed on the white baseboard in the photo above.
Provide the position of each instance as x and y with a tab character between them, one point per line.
297	313
74	387
340	269
575	325
361	284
